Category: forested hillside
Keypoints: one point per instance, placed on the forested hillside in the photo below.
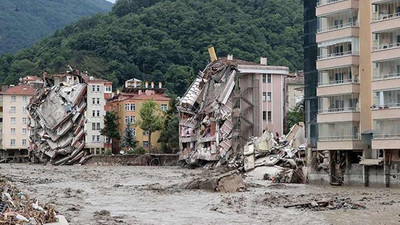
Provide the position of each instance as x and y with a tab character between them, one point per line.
167	40
24	22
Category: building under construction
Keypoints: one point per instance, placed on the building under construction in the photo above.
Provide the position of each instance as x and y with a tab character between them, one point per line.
229	102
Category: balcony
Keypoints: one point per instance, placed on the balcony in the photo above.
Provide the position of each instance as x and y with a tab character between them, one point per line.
347	87
386	52
349	30
386	134
386	15
325	7
386	112
338	60
387	81
339	115
339	136
337	145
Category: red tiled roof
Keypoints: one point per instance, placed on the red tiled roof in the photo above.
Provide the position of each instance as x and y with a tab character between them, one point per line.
23	89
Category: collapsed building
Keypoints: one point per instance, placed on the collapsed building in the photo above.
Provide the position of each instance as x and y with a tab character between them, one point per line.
59	118
229	102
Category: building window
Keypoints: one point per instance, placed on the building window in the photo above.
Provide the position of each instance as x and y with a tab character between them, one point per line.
145	144
93	88
264	115
23	142
97	138
25	99
13	120
130	107
24	131
269	78
24	109
130	119
134	132
93	126
93	138
93	101
108	88
12	142
98	126
98	88
264	97
269	116
98	113
12	131
264	78
24	120
13	109
164	107
98	101
269	98
146	133
13	98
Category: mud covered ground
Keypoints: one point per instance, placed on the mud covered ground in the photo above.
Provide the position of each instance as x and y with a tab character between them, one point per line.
148	195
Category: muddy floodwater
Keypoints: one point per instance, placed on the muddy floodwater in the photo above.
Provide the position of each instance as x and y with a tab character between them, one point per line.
148	195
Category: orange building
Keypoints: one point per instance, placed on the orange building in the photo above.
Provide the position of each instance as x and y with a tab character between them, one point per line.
127	105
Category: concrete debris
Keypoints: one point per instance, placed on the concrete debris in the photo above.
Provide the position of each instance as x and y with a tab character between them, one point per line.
331	204
280	162
228	183
16	208
57	119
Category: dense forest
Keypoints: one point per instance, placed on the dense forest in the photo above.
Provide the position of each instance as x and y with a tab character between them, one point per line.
24	22
166	40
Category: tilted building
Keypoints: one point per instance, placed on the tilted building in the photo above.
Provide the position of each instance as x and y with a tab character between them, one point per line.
227	104
355	50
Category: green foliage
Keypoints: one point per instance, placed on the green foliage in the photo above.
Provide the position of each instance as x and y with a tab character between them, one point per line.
108	152
129	141
296	115
169	137
136	151
167	40
150	118
110	129
27	21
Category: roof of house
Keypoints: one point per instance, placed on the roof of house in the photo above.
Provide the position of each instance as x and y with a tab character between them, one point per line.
130	96
22	89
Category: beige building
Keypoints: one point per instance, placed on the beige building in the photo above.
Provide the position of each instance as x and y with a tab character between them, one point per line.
359	89
15	120
295	90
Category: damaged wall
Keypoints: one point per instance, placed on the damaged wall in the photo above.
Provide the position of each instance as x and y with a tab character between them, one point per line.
225	106
57	120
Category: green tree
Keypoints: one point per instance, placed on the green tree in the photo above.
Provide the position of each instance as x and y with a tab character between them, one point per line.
150	118
296	115
170	133
110	129
178	78
129	141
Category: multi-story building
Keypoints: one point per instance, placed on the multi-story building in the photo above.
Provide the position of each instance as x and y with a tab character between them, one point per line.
127	105
229	102
15	120
98	92
295	90
358	89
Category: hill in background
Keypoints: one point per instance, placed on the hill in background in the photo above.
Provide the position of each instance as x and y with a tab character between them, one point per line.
167	40
24	22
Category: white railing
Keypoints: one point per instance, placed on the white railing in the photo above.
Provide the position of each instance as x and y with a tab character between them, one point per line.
384	16
339	54
340	138
386	136
386	76
386	106
326	2
337	27
344	109
386	46
335	82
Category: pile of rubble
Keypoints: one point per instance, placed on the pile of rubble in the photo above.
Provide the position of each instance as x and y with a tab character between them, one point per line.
331	204
279	160
57	119
16	208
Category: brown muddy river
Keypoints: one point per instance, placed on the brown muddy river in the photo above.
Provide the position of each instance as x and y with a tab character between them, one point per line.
144	195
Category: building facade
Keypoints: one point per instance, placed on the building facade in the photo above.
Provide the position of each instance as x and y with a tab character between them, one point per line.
229	102
358	90
127	105
15	120
98	93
